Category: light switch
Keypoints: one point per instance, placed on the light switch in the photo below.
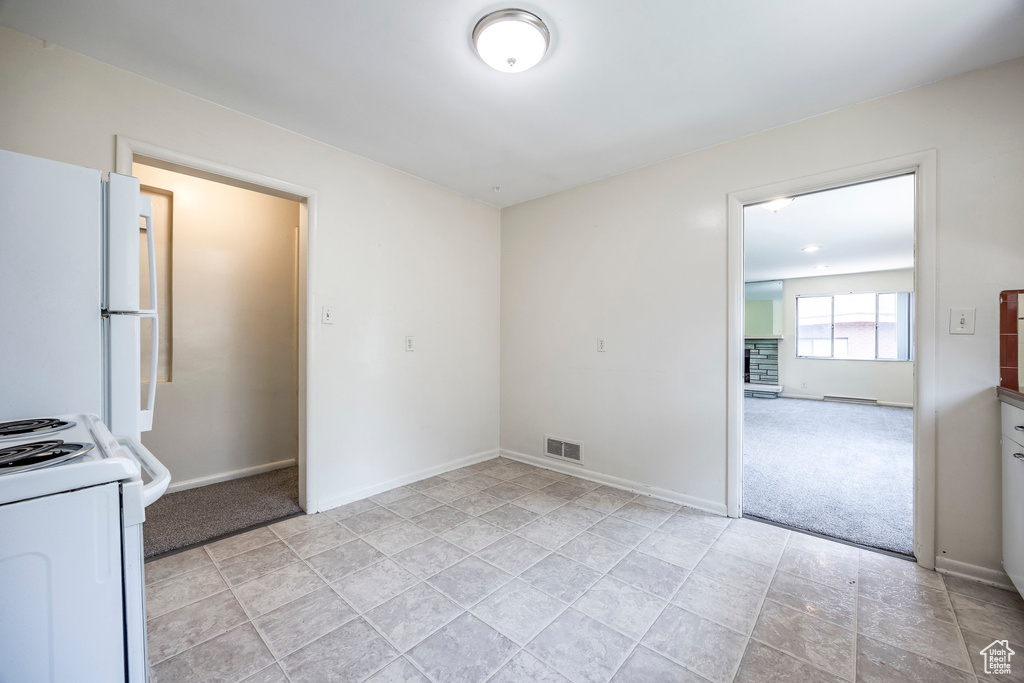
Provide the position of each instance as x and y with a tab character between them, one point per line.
961	321
408	343
600	344
327	315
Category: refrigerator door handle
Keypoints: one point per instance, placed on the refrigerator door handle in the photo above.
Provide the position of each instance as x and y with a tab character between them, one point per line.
146	211
146	415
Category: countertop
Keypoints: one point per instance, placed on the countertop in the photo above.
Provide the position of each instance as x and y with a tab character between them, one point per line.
1014	398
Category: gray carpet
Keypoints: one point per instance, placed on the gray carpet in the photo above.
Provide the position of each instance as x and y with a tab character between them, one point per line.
198	515
841	470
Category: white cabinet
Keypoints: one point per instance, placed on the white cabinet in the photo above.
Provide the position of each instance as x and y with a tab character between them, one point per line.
1013	494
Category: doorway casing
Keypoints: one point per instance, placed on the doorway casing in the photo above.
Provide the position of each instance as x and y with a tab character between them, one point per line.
126	152
923	166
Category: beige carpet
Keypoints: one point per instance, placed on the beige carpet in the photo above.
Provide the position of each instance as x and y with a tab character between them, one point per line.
182	519
841	470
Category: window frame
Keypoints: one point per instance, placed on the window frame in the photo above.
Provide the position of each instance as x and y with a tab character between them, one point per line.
832	336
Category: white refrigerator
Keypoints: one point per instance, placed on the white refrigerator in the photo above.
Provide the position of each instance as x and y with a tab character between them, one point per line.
69	294
72	594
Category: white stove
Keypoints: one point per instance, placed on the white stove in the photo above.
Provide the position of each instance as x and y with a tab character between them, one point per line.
49	455
72	592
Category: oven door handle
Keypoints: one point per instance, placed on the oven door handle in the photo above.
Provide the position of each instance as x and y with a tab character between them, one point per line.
160	476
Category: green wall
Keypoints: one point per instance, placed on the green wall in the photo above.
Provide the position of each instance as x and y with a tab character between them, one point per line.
760	318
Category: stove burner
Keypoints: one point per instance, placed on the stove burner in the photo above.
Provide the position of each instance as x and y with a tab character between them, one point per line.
30	456
38	426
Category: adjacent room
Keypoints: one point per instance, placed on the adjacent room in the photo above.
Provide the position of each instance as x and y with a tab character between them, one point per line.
227	260
453	342
828	431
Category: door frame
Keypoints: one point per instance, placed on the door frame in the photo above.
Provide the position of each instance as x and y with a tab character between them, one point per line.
127	149
923	165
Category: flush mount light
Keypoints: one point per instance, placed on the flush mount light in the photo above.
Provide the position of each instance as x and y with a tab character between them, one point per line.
777	205
821	267
511	40
811	248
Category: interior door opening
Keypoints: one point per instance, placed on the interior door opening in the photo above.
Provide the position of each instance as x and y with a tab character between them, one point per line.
228	421
828	373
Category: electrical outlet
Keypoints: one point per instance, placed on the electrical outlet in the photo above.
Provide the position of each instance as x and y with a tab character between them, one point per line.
961	321
408	343
327	315
600	344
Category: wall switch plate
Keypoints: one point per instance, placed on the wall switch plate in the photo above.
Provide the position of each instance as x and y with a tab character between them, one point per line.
408	343
961	321
600	344
327	315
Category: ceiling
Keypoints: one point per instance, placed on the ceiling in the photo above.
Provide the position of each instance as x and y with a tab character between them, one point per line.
860	228
624	84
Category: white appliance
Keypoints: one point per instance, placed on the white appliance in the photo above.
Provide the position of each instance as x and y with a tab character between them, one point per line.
72	601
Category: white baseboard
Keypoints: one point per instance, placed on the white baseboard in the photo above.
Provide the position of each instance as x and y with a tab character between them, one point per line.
617	482
365	492
805	397
812	397
226	476
973	572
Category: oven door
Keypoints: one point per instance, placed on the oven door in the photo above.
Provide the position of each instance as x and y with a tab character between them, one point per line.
61	612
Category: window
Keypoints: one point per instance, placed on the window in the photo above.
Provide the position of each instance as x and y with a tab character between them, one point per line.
863	326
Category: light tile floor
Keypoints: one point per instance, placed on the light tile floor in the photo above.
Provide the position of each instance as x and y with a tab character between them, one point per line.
507	573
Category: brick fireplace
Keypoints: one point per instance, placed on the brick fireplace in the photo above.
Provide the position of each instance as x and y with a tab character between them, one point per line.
761	366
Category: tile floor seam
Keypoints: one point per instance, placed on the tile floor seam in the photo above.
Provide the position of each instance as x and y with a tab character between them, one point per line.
811	616
414	665
176	575
431	633
814	666
402	653
572	605
222	560
760	608
903	648
666	655
389	663
790	608
960	632
640	640
812	580
205	640
503	663
987	602
259	632
184	604
316	638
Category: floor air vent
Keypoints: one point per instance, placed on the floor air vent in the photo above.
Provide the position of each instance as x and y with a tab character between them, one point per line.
849	399
563	449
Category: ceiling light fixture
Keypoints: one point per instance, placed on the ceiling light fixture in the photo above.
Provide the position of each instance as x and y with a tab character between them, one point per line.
811	248
511	40
777	205
821	267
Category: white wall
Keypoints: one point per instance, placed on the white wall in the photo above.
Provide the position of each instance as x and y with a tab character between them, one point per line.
396	255
231	402
886	381
640	258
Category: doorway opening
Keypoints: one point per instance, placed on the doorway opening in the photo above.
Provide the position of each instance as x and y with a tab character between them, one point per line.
227	424
829	338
